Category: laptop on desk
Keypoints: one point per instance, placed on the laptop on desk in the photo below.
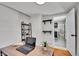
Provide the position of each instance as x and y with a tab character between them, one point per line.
29	45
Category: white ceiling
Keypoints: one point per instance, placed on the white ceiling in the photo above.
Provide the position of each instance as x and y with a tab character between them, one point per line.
47	8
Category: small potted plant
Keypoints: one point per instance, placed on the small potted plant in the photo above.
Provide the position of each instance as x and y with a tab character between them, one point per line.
45	45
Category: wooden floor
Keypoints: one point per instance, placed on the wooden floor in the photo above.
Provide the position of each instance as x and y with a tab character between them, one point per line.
60	52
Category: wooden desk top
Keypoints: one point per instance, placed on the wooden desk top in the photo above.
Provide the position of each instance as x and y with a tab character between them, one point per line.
11	51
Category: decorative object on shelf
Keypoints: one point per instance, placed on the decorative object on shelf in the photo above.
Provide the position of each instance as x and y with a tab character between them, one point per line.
45	44
55	34
55	25
26	30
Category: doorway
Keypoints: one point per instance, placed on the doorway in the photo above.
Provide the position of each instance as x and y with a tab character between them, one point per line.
65	31
59	31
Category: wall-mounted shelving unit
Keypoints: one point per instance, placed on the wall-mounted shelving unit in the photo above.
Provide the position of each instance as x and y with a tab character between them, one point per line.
26	30
45	22
47	29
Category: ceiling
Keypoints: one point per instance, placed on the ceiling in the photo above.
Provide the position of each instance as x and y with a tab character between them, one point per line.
47	8
59	18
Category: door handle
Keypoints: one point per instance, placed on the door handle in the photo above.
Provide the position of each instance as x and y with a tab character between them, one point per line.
73	35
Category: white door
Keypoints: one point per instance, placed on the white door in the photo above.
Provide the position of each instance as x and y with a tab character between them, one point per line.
70	31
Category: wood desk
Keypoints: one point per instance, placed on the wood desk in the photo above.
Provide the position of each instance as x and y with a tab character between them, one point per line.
11	51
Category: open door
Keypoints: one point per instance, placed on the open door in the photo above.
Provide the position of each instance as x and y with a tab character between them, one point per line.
70	32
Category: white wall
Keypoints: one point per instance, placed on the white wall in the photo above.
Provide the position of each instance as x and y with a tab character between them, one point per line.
36	28
24	18
9	26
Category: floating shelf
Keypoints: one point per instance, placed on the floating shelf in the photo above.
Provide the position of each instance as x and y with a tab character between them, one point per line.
49	20
23	39
26	24
46	31
27	34
25	29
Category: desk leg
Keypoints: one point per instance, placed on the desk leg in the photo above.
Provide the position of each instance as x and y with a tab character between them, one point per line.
1	53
